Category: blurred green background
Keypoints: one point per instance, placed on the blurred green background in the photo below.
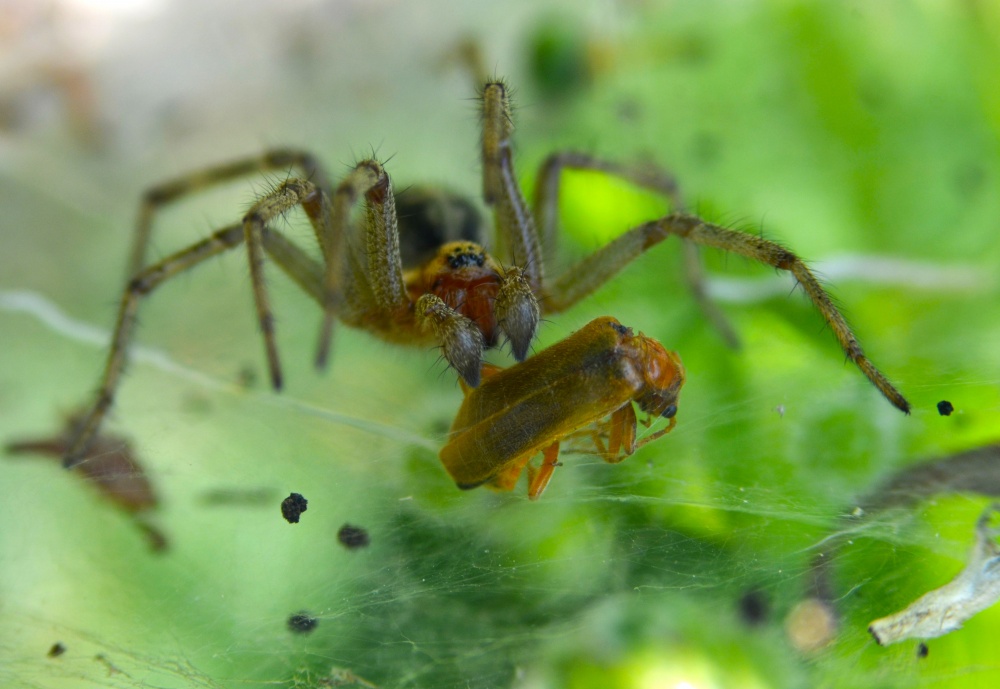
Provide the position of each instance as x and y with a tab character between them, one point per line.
863	135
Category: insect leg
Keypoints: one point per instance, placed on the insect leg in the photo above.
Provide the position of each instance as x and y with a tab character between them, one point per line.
539	478
621	442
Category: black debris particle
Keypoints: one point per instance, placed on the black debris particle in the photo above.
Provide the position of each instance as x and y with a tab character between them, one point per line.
302	622
945	408
57	650
922	650
353	537
292	507
754	607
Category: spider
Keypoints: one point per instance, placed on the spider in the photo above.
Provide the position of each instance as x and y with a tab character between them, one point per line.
461	297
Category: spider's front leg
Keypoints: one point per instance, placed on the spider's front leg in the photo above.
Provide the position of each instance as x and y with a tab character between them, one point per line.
516	308
517	311
307	191
514	221
138	287
300	267
376	294
169	192
461	339
596	269
648	176
524	232
287	196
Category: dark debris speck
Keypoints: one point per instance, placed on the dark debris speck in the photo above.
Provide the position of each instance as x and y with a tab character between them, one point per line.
292	507
302	622
922	650
945	408
754	607
57	650
353	536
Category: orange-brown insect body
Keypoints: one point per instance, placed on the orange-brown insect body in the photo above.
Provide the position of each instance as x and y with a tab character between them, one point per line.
467	279
518	412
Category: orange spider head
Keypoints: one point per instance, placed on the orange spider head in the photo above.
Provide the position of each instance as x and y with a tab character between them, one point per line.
466	278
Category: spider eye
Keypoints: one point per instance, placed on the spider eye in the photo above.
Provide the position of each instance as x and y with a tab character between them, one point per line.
669	412
466	257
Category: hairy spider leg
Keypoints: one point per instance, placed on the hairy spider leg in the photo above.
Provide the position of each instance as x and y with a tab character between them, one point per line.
139	286
649	176
516	227
170	191
315	205
304	271
514	221
597	268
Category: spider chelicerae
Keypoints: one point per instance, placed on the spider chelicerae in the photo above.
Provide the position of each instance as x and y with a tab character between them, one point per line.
453	293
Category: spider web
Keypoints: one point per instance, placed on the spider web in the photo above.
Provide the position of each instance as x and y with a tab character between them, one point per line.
454	586
683	566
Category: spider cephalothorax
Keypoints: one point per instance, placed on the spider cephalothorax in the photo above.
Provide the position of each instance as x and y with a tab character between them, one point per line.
383	274
465	278
468	300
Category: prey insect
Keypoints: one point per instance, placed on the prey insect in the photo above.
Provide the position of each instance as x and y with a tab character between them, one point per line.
460	298
583	385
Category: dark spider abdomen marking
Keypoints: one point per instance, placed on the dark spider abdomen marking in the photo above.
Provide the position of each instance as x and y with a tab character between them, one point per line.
430	218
